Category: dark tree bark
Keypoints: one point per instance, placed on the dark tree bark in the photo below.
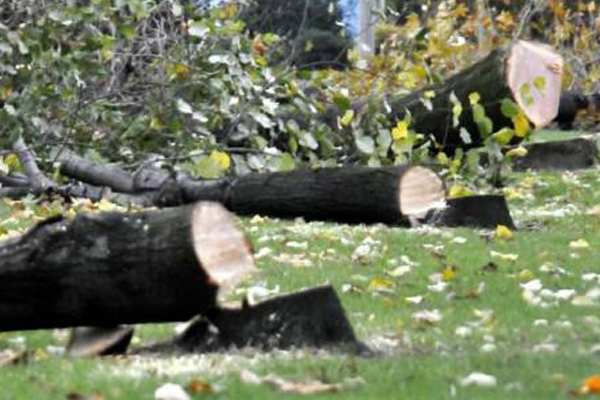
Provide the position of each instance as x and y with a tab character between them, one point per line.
355	195
110	268
485	211
309	318
559	155
500	75
351	194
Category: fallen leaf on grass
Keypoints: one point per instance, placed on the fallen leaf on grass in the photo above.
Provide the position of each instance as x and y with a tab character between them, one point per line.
591	385
200	387
81	396
504	256
479	379
579	244
307	387
171	391
10	357
503	232
430	317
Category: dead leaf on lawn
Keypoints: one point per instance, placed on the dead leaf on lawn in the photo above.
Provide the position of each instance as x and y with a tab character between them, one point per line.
306	387
10	357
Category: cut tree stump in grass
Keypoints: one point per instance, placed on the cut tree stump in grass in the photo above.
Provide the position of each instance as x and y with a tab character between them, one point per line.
559	155
511	72
107	269
484	211
309	318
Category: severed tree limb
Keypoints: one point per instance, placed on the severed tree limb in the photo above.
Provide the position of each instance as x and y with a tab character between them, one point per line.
36	177
76	167
107	269
391	195
14	180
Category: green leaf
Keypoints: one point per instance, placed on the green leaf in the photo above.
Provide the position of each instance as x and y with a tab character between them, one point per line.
540	83
347	118
365	144
286	162
509	108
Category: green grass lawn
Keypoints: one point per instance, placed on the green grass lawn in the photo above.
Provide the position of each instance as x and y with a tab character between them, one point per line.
438	304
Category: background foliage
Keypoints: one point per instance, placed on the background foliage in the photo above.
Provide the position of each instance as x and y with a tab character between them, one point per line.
223	89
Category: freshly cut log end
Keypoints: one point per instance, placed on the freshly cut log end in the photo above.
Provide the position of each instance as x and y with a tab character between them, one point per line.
222	249
525	65
421	190
108	269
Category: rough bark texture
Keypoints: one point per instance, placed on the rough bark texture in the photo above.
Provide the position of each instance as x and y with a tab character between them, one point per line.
490	78
560	155
309	318
355	195
485	211
109	268
350	194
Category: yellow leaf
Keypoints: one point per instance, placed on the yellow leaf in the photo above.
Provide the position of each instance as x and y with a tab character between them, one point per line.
517	152
221	159
400	132
540	83
525	275
5	92
503	136
380	284
449	273
155	123
347	118
181	70
474	98
459	191
521	124
504	256
579	244
504	232
12	162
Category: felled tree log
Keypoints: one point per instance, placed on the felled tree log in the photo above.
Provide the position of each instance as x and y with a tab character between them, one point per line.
500	75
559	155
389	195
309	318
108	269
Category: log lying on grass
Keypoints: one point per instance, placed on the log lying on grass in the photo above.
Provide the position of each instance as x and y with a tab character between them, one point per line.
512	72
391	195
559	155
111	268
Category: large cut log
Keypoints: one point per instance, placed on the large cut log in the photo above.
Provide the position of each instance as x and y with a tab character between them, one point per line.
559	155
511	72
352	194
108	269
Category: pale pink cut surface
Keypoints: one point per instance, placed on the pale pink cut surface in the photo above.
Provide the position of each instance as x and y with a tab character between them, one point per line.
420	191
526	62
221	247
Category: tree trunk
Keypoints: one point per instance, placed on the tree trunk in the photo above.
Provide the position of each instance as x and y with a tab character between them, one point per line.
355	195
111	268
501	75
346	194
559	155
